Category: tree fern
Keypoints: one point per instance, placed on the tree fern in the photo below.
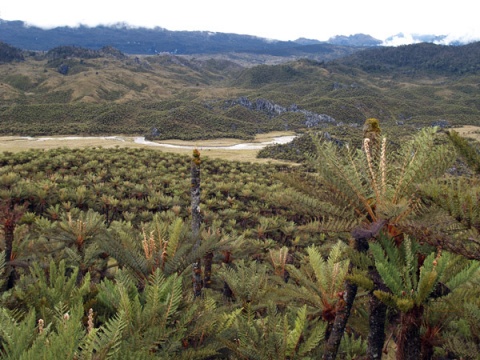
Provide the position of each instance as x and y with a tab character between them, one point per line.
63	339
320	279
275	335
411	287
247	281
44	292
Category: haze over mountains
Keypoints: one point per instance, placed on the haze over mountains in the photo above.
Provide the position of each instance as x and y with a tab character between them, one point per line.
137	40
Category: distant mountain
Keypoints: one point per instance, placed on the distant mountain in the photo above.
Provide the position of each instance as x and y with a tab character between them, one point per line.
304	41
355	40
417	58
148	41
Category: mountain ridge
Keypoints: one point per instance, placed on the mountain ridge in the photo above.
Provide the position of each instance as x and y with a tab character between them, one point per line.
149	41
146	41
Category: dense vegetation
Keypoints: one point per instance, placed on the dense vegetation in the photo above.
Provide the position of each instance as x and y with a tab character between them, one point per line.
370	246
9	53
98	255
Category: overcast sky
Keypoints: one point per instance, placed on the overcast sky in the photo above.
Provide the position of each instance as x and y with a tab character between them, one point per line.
280	20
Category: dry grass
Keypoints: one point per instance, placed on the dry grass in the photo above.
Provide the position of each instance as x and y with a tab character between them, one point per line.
17	144
469	131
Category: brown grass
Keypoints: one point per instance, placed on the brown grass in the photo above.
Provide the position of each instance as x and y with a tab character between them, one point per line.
469	131
17	144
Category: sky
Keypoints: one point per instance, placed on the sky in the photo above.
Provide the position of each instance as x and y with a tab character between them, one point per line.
276	20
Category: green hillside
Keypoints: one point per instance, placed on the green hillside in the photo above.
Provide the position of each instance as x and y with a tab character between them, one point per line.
70	90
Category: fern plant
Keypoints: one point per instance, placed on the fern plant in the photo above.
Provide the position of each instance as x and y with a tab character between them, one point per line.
318	282
457	225
411	287
158	320
274	335
43	290
161	244
247	281
378	189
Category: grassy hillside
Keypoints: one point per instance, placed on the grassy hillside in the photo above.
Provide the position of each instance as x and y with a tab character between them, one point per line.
70	90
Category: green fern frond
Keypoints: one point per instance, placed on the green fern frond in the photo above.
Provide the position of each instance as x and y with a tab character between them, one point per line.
63	339
109	337
422	161
248	281
59	287
346	176
330	225
426	283
16	336
462	274
313	339
352	347
175	237
388	271
459	197
171	302
294	335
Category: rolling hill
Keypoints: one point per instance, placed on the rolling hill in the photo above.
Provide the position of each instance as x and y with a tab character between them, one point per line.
74	90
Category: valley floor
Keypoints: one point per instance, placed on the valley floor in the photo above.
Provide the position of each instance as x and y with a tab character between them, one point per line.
227	149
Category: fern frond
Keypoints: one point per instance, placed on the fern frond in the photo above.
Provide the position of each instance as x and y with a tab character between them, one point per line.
342	178
330	225
17	336
462	274
172	299
109	336
312	341
422	160
175	237
294	335
389	273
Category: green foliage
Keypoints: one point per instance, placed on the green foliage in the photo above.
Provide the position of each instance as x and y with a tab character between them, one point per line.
16	336
275	335
410	285
456	200
20	82
9	53
425	58
247	281
351	347
44	291
375	185
114	224
318	281
194	93
293	151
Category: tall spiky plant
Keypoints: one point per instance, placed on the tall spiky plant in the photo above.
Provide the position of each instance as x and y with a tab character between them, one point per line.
378	189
